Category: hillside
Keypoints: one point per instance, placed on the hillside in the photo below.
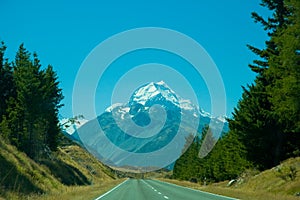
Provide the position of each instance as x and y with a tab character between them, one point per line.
278	183
283	179
71	165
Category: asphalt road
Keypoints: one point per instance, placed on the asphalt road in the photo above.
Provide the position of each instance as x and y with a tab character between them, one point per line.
139	189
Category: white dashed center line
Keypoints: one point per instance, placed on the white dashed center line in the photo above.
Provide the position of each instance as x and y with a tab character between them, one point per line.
166	197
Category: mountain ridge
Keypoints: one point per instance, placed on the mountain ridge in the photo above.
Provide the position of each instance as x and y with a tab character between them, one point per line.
154	119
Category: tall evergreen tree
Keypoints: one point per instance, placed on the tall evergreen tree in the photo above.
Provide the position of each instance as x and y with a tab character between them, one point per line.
6	81
51	101
284	87
187	166
32	114
28	102
255	127
262	118
227	160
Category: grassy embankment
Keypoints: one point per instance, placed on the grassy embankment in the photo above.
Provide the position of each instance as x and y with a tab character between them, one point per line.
70	173
279	183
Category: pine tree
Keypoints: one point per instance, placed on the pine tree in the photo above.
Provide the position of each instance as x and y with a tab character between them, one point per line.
187	166
227	160
255	127
27	77
6	81
51	101
269	108
284	70
32	115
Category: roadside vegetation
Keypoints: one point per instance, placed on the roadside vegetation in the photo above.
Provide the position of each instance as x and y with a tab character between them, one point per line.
279	182
70	171
79	192
265	127
36	159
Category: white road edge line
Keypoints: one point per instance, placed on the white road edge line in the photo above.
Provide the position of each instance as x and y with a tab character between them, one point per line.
106	193
195	190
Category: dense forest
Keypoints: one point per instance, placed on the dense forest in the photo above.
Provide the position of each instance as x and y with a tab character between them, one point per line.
265	127
30	98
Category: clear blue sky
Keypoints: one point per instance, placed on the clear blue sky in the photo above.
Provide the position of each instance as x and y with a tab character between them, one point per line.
64	32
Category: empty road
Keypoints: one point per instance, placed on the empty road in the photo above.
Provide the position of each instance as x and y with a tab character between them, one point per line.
139	189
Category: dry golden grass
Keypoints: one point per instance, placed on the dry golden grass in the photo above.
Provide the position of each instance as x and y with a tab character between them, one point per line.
89	165
21	174
238	193
274	184
22	178
78	192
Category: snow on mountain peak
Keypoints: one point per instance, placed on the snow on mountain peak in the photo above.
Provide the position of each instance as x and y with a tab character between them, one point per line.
204	113
162	83
186	104
151	90
110	108
160	92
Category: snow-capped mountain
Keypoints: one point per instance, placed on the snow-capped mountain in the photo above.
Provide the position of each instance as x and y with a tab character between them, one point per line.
157	93
154	118
152	93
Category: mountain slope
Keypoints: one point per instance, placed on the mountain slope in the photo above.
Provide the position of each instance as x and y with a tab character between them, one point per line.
154	119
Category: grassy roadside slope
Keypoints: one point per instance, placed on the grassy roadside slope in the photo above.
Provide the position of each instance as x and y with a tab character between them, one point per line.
79	192
21	175
278	183
70	170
